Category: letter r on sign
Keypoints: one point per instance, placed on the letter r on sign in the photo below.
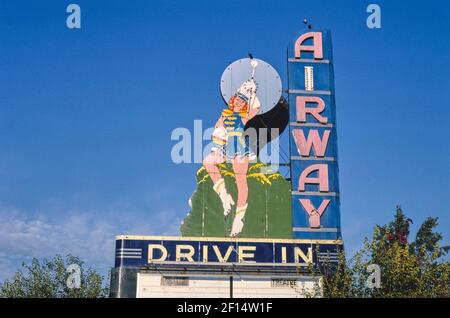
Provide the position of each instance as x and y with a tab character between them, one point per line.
302	110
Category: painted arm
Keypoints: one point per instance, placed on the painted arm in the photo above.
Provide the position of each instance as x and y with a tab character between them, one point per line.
219	122
252	113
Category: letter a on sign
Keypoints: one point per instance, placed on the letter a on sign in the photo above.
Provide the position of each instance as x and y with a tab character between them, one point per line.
321	179
316	47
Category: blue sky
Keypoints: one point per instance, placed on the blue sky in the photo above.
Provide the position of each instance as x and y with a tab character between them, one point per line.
86	115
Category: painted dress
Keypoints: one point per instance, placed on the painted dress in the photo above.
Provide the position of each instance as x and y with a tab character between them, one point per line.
235	143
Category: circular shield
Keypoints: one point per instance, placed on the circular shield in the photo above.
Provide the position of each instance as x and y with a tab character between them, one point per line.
266	77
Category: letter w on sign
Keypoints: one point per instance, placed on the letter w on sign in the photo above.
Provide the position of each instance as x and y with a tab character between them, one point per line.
304	145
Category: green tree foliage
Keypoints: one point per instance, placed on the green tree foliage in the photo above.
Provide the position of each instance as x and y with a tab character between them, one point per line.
49	279
408	269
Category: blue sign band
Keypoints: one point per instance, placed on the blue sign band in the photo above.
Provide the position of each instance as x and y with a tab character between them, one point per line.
137	251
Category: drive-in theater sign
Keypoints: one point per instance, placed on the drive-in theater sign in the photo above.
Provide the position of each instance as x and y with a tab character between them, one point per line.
249	226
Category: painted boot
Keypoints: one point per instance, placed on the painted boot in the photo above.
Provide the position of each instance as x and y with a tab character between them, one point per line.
238	222
225	197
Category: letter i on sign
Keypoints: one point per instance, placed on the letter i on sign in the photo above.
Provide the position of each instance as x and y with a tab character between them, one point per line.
309	78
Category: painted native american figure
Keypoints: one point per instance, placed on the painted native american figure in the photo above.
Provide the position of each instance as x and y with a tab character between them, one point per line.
231	144
238	193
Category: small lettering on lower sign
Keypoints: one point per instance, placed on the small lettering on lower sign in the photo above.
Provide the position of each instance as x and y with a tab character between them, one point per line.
281	282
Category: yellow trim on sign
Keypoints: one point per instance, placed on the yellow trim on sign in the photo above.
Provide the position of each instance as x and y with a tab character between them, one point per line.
224	239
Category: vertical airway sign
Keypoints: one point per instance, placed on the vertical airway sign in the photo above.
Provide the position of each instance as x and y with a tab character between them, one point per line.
313	141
